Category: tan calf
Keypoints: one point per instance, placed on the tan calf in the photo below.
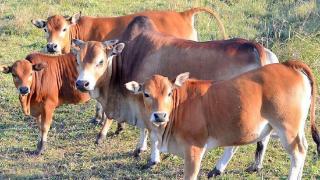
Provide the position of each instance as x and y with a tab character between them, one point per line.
61	30
45	82
192	116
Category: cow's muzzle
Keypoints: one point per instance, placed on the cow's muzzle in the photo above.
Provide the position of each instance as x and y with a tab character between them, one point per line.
23	90
52	48
160	117
82	85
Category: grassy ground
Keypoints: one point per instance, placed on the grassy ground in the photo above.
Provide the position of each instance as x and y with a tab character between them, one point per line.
289	28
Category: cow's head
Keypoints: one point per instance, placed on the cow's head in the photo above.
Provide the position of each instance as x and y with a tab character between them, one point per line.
93	60
158	95
22	74
57	32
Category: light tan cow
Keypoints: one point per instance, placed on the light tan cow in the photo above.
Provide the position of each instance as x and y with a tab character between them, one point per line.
191	116
61	30
147	52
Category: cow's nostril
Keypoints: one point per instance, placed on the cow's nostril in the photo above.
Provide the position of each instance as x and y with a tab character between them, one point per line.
164	115
55	46
156	116
48	46
86	84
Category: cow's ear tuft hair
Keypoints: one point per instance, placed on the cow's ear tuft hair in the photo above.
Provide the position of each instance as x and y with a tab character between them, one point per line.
181	78
117	49
6	69
78	42
39	66
39	23
134	87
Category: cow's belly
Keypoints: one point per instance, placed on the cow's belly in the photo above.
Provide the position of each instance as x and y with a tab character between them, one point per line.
245	134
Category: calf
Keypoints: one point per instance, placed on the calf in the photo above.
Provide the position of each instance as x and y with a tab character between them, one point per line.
45	82
60	30
192	116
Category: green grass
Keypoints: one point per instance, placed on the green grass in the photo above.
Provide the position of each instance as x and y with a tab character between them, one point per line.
290	29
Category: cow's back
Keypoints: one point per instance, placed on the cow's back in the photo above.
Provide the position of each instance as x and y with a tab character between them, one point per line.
57	80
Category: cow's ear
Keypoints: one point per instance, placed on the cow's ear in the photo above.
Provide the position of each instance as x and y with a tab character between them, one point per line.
134	87
181	78
6	69
78	42
74	18
110	43
117	49
39	23
75	50
39	66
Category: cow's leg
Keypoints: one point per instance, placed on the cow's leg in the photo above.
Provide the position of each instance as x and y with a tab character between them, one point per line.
142	145
103	133
155	152
259	155
46	120
223	161
296	146
192	161
121	126
99	117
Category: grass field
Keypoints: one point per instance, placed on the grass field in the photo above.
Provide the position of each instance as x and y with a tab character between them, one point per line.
290	28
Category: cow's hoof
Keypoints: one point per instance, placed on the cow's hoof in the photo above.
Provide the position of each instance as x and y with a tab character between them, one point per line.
100	139
149	165
41	147
253	168
95	121
120	128
137	152
215	172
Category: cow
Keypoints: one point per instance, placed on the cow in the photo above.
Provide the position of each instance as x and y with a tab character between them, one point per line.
60	30
192	116
105	66
45	82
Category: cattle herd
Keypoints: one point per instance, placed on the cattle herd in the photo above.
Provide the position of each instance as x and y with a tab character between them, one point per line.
137	68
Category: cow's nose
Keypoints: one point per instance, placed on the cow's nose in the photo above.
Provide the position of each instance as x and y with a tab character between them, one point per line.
82	85
160	116
24	90
52	47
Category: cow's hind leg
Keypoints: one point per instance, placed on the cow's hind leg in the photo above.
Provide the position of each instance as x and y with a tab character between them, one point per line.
259	155
223	161
297	147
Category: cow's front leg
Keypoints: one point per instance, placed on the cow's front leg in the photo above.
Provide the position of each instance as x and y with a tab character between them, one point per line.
192	161
103	133
155	152
223	161
99	117
46	120
142	145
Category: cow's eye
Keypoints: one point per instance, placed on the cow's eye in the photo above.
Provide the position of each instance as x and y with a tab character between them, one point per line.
45	30
13	75
30	74
170	94
64	29
146	95
100	63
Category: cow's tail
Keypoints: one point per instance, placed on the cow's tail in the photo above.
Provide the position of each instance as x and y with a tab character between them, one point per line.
299	66
193	11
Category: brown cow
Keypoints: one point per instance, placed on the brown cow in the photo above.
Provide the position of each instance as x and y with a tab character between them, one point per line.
61	30
147	52
190	117
45	82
